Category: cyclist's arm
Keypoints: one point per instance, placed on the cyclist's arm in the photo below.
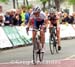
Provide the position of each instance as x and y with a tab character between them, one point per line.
45	19
58	23
30	20
46	23
29	23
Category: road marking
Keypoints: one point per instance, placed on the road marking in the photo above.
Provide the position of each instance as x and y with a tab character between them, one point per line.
69	58
31	62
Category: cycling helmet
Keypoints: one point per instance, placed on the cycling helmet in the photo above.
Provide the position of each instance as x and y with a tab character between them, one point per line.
52	10
36	9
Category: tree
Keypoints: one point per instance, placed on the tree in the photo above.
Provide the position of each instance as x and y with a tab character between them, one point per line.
17	3
71	2
44	3
23	2
27	2
57	4
4	1
49	3
14	4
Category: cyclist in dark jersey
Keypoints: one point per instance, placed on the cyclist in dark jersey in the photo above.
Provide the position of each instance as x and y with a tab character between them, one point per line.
54	21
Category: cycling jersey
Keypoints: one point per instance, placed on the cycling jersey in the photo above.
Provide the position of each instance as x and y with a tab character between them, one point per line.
53	20
38	20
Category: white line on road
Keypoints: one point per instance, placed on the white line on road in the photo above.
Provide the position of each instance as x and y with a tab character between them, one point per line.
69	58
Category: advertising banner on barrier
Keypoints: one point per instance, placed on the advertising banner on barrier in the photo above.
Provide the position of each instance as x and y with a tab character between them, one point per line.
13	36
4	41
66	31
22	32
73	26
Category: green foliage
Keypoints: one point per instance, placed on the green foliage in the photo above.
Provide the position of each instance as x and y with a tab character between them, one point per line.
71	1
29	6
3	0
43	1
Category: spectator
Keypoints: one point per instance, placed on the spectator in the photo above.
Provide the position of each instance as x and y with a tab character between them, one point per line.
65	18
17	19
7	18
27	15
2	18
12	17
71	19
23	10
74	18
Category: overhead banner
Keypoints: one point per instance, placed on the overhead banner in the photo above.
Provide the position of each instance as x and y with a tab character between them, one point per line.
4	41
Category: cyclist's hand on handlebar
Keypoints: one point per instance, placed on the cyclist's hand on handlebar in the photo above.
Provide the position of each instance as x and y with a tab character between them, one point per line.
27	29
45	29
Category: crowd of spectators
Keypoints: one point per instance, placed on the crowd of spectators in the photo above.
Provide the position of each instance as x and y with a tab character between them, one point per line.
66	18
21	16
15	16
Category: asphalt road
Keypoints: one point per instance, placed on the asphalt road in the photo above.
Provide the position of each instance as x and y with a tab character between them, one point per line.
24	54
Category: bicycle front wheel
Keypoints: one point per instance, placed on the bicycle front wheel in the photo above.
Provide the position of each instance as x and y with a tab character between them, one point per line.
35	55
41	55
51	45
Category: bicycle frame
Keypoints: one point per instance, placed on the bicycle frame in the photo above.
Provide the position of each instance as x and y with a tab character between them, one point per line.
37	46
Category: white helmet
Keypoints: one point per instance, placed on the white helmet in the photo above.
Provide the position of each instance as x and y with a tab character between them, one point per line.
36	9
52	10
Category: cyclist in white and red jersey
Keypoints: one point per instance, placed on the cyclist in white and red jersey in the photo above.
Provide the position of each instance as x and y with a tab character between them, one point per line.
38	18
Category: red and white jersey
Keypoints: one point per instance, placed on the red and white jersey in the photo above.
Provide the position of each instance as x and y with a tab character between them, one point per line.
42	16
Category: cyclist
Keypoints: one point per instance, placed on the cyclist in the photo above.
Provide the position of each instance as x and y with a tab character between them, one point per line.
38	18
54	21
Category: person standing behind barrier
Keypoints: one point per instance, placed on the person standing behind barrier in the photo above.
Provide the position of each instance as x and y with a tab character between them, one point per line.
17	18
27	16
12	17
7	18
73	17
23	11
2	18
65	18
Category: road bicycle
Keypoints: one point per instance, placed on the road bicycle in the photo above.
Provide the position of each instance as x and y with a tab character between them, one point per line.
37	48
53	40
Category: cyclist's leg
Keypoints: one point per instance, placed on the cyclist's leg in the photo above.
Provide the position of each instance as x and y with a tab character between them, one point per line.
42	34
34	33
33	36
58	38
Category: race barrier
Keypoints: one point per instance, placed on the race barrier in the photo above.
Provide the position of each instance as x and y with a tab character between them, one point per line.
4	41
67	31
17	36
